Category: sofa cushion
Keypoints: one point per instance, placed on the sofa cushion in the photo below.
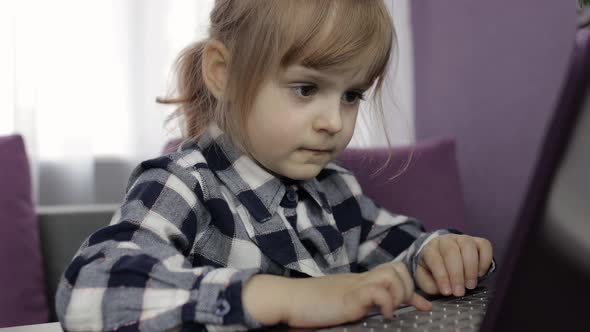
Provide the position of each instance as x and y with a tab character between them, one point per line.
429	189
22	299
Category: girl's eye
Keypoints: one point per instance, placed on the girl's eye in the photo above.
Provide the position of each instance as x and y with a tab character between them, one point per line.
304	90
352	97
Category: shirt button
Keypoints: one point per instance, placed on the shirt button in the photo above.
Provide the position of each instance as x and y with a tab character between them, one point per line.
223	307
291	195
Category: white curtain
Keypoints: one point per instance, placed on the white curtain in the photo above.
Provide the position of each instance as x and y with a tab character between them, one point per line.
79	81
398	90
79	78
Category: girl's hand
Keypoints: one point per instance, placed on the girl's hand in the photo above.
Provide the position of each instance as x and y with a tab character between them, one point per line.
341	298
450	263
330	300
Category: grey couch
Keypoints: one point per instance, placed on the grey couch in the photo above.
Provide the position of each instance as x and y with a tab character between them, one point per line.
61	234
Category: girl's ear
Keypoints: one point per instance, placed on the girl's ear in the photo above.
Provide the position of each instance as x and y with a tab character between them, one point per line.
215	62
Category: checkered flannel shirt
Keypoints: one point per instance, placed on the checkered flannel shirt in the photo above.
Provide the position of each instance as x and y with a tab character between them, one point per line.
197	223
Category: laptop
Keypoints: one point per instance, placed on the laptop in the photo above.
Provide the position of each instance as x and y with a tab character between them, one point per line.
544	281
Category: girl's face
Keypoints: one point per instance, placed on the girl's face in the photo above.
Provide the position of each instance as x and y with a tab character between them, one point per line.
302	119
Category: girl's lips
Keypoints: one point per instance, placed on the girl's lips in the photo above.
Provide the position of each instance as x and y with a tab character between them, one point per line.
318	150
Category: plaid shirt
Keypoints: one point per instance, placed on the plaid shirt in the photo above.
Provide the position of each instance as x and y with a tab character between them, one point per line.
197	223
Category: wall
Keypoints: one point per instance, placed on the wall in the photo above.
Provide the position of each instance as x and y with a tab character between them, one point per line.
489	73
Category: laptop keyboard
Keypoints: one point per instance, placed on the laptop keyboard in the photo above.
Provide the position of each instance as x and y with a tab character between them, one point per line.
448	314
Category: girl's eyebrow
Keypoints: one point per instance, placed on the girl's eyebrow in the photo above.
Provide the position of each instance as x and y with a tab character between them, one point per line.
323	78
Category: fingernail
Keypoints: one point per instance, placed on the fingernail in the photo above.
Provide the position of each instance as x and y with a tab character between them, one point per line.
459	290
446	290
471	284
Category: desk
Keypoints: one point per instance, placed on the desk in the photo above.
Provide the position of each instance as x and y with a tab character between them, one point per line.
49	327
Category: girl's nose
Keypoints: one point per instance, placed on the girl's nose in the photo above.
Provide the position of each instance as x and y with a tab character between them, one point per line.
329	120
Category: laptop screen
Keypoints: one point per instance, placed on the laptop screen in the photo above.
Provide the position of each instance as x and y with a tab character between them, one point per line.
567	214
545	285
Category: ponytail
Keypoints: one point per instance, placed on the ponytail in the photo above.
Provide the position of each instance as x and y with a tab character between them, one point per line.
195	102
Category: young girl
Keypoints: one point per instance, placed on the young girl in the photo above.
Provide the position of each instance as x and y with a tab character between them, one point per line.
251	223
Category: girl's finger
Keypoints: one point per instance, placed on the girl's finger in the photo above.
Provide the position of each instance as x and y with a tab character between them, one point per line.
425	280
451	254
406	279
436	265
397	289
376	295
470	256
420	302
485	251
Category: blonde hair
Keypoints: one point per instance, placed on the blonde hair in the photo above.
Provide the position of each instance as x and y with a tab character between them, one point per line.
263	37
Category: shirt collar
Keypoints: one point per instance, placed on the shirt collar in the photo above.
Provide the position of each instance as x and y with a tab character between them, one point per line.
258	190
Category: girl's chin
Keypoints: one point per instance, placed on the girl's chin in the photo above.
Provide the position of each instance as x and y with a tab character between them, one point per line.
302	172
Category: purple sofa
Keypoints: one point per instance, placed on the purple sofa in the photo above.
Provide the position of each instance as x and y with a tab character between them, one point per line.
22	292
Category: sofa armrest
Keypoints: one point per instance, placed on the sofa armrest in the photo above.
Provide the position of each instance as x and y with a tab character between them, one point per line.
62	229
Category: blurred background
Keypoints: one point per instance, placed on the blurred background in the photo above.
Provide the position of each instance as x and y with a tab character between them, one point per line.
472	89
80	78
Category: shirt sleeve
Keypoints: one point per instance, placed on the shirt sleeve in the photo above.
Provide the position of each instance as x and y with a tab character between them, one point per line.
138	273
391	237
387	236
